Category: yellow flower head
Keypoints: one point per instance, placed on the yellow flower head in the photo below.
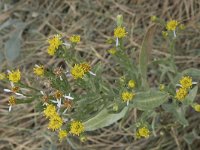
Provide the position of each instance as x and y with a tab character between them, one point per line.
62	134
77	128
50	111
120	32
86	67
196	107
77	71
14	76
143	132
171	25
2	76
55	122
131	84
75	38
127	96
38	70
181	93
12	101
112	51
54	43
186	82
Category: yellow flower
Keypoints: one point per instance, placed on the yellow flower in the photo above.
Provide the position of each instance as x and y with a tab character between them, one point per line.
38	70
55	122
131	84
50	111
143	132
127	96
77	128
54	43
75	38
186	82
171	25
112	51
14	76
181	93
120	32
12	101
196	107
86	67
2	76
77	71
62	134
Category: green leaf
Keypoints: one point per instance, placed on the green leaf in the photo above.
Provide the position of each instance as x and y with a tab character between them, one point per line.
103	119
149	100
145	54
178	113
191	96
13	46
193	72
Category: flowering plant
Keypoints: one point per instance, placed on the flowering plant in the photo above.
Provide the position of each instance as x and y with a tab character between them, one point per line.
79	99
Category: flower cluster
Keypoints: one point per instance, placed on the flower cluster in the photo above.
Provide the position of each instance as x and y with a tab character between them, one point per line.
127	96
75	38
186	84
56	123
39	70
79	70
120	32
172	25
54	43
142	132
76	128
14	76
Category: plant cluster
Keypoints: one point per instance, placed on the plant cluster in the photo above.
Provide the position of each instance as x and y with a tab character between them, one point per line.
79	99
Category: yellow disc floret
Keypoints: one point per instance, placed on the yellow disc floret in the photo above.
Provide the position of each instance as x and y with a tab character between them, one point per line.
143	132
131	84
76	128
171	25
120	32
55	122
12	101
62	134
86	67
186	82
127	96
77	71
75	38
181	93
54	43
50	111
38	70
14	76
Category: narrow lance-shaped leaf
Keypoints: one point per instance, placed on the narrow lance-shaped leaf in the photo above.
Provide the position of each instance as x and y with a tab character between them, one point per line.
103	119
149	100
145	54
